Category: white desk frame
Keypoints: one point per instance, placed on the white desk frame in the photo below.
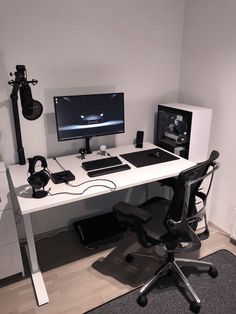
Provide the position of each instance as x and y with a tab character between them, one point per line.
123	180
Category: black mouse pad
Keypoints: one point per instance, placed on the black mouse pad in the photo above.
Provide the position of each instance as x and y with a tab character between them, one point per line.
148	157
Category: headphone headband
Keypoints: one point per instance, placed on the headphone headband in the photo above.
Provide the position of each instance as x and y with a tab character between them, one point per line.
33	161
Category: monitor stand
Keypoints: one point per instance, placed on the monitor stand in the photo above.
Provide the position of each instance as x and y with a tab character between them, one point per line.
87	145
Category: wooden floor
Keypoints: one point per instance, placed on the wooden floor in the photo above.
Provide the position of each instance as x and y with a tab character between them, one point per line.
78	279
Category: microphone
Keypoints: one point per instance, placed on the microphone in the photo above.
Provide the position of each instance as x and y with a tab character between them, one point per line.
31	109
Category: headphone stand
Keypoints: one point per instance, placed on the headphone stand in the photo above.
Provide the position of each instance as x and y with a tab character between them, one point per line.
39	193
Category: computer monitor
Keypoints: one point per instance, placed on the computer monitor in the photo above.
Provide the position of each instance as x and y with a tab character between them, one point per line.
85	116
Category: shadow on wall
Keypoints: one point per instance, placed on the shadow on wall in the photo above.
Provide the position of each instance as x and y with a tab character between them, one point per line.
4	77
56	148
7	135
190	100
6	129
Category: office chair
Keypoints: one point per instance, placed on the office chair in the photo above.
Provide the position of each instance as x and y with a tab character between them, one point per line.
172	224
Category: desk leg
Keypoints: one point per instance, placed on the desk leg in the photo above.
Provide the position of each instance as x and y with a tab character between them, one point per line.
37	278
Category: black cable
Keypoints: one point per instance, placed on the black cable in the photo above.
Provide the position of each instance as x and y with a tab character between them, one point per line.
78	185
91	186
59	163
93	180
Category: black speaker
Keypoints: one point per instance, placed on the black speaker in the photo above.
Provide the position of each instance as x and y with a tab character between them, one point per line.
139	139
38	180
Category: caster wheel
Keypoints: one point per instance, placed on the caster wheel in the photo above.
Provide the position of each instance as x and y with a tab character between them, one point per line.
213	272
142	300
195	307
129	258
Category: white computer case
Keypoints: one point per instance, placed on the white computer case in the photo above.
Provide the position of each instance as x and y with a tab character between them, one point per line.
199	126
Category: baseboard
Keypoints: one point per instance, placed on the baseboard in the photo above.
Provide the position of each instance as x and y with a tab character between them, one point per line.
221	231
218	229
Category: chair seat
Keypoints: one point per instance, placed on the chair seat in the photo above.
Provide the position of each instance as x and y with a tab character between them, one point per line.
156	227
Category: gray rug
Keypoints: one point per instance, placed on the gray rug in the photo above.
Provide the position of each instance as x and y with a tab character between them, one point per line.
217	295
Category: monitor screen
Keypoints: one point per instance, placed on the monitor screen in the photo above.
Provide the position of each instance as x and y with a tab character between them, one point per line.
84	116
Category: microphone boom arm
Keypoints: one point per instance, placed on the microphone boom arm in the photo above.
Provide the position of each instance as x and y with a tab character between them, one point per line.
20	149
16	84
14	99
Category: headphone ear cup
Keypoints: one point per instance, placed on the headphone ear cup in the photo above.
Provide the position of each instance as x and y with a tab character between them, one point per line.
34	181
43	177
39	179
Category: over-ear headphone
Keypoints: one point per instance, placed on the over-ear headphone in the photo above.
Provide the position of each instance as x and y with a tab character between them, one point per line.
38	180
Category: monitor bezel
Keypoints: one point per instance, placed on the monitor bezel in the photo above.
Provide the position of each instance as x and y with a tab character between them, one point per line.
88	136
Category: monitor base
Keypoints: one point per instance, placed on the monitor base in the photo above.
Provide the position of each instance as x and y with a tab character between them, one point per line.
87	145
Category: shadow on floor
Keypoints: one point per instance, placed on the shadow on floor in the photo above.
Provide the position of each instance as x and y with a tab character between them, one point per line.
56	251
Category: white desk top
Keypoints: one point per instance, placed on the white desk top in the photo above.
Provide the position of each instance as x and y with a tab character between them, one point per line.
123	179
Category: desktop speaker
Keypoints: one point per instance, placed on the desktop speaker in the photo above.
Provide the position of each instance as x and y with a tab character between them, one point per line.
38	180
139	139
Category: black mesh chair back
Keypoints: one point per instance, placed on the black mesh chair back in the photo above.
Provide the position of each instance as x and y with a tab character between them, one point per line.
183	216
198	171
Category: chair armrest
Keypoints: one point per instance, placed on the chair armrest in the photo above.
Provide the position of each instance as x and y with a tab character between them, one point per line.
131	211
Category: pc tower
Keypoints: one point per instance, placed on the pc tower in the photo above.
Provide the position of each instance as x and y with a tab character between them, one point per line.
184	130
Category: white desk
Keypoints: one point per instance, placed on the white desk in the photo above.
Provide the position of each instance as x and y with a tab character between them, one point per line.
123	180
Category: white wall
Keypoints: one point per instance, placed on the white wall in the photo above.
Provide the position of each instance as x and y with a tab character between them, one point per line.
89	46
208	78
85	46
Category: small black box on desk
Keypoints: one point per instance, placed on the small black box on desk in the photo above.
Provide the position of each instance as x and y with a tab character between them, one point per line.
62	176
99	230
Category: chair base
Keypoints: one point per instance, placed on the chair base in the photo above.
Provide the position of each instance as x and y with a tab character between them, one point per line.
168	267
